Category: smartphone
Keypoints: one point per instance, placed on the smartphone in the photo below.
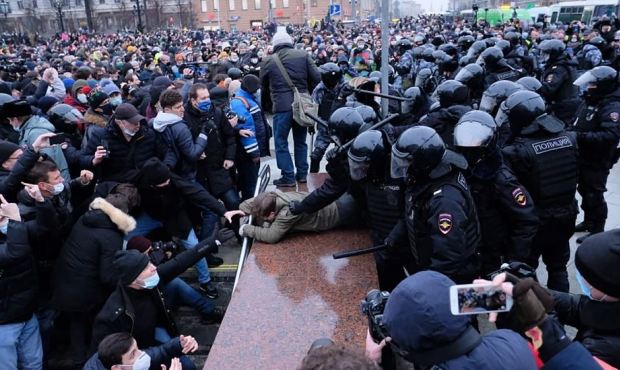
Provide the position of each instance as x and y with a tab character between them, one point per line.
58	139
475	299
104	144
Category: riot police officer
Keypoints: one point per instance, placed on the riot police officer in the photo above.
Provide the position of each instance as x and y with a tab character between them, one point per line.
440	221
492	98
472	76
496	67
544	158
344	125
405	62
508	221
325	94
369	166
417	105
598	133
557	80
530	83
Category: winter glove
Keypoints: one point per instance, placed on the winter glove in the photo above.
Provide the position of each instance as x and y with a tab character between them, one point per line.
218	237
530	307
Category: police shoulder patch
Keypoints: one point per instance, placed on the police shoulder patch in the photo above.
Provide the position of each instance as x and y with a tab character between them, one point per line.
519	196
445	223
614	116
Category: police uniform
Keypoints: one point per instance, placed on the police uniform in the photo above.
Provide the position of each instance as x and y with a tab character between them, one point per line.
442	228
325	97
508	220
544	160
598	134
559	91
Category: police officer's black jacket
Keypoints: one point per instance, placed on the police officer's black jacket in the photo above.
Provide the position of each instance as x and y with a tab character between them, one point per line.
598	131
598	324
558	89
544	158
508	221
442	227
502	71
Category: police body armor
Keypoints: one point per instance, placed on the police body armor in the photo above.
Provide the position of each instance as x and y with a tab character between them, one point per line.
553	180
416	216
326	107
567	91
588	120
385	203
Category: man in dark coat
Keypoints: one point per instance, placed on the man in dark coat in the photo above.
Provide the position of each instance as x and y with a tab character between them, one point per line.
84	275
16	162
119	150
277	97
137	306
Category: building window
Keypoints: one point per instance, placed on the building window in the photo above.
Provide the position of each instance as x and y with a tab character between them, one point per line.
216	4
256	4
285	3
314	3
231	4
244	4
203	6
34	4
101	1
272	3
20	4
78	3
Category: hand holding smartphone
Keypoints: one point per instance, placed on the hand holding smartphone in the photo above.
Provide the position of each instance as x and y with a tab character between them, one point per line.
475	299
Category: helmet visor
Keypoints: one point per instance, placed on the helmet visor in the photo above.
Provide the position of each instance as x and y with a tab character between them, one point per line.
399	164
358	168
488	103
464	76
501	118
472	135
584	80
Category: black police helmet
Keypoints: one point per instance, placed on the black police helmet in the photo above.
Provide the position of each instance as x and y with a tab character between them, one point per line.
421	152
599	42
368	150
415	98
495	94
345	123
598	82
477	48
465	42
425	80
404	45
504	46
472	75
427	55
490	41
449	49
520	110
530	83
551	50
234	73
417	52
475	135
331	74
512	37
368	114
438	40
491	57
452	92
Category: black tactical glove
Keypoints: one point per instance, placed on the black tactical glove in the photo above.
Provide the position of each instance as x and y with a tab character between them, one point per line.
295	207
217	237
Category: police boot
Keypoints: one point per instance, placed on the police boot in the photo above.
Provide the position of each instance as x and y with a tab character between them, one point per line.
593	230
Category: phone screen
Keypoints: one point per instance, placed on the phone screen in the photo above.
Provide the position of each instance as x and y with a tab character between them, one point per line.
57	139
474	299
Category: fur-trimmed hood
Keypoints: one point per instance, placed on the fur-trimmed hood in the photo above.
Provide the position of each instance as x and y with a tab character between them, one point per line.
122	220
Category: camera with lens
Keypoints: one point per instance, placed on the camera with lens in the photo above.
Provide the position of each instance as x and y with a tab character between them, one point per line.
372	306
161	251
518	269
164	246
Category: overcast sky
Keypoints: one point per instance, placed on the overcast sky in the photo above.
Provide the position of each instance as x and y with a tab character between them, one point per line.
437	5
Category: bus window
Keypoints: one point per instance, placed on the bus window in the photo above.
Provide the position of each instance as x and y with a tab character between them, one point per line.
601	10
587	16
554	17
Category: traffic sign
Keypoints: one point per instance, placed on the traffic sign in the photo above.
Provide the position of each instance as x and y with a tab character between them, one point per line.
334	9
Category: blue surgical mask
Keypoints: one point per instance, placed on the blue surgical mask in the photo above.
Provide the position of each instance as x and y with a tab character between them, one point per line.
58	188
4	229
151	281
205	105
585	288
116	101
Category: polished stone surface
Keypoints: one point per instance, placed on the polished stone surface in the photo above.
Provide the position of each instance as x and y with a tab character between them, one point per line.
289	295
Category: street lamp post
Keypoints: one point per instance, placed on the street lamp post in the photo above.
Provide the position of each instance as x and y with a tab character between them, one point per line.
486	10
58	5
139	13
474	7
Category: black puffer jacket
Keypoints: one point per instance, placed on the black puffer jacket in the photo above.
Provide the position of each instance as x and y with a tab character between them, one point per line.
10	181
276	95
598	324
84	276
18	285
124	158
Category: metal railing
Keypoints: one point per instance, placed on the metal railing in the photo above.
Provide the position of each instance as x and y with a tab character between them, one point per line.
264	176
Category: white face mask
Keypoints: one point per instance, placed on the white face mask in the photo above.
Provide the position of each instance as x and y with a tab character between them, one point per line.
82	98
142	363
58	188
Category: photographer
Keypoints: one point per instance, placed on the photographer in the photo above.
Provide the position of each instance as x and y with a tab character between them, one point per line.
423	330
177	291
595	313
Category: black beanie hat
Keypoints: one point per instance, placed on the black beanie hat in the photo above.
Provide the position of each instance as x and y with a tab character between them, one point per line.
128	265
6	149
598	259
250	83
17	108
154	172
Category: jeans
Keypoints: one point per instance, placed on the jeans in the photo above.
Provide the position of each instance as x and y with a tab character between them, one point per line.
178	292
145	224
162	336
210	219
282	125
20	346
